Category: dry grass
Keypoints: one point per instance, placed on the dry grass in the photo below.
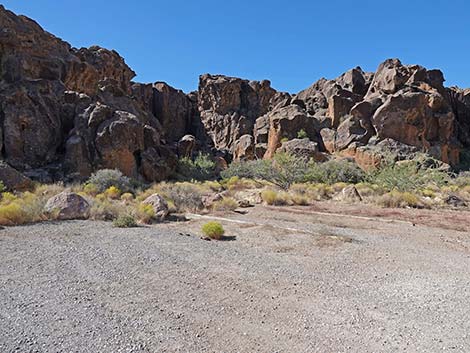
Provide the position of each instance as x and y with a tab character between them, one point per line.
275	198
226	204
397	199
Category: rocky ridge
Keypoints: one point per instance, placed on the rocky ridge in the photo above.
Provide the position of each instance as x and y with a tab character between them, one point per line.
65	112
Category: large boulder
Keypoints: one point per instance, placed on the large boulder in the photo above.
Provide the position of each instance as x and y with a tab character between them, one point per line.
244	148
67	205
159	205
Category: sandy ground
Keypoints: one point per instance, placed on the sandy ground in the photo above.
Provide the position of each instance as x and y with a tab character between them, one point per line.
283	280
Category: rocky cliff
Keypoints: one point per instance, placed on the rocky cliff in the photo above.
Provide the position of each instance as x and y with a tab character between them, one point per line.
65	112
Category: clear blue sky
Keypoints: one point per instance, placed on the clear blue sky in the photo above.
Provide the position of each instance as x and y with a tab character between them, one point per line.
292	43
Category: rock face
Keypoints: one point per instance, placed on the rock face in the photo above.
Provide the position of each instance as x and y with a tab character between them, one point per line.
229	107
71	111
66	112
67	205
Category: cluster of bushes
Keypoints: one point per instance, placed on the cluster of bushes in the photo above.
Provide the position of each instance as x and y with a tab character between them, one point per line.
284	180
286	169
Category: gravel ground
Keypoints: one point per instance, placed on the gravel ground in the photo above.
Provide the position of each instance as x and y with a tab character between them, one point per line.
280	282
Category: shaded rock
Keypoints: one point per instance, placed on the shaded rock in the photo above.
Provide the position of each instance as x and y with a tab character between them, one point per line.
455	201
159	205
173	108
119	141
67	205
13	179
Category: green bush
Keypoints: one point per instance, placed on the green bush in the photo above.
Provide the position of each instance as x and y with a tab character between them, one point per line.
408	176
2	187
334	171
283	170
301	134
201	168
126	221
213	230
105	178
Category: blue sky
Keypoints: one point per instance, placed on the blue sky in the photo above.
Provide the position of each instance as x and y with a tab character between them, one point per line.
292	43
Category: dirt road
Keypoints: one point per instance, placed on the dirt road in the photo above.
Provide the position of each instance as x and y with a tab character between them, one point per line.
282	281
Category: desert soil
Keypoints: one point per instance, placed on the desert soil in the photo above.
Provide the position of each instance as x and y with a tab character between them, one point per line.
283	280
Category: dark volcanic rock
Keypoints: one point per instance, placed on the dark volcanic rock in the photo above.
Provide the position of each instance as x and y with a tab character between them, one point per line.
230	106
65	112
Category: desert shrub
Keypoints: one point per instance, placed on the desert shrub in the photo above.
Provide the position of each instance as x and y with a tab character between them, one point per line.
91	189
273	197
112	192
213	230
213	185
145	213
370	190
8	197
408	176
201	168
334	171
283	170
12	214
105	178
23	208
185	196
299	199
49	190
226	204
125	221
301	134
319	191
397	199
462	179
127	197
337	187
105	210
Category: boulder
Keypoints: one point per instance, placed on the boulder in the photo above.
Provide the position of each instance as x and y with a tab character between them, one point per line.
350	194
455	201
159	205
304	148
186	146
244	148
67	205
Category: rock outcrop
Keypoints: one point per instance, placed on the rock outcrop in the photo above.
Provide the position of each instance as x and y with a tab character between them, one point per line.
66	112
70	111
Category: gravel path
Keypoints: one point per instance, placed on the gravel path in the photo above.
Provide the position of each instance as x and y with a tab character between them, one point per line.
336	285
